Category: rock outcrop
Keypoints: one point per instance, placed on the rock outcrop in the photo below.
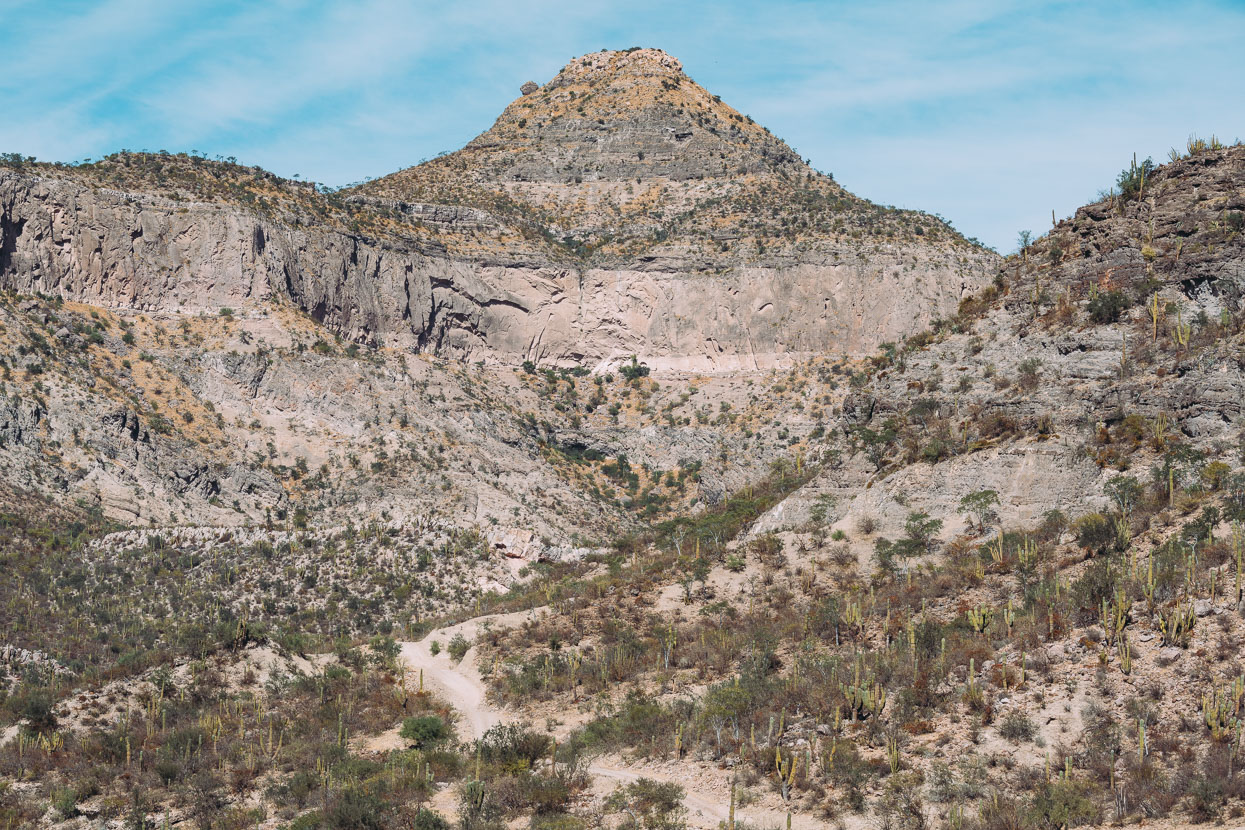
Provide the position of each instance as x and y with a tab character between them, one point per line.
1183	226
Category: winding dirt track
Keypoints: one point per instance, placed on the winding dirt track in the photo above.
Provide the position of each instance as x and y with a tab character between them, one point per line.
461	685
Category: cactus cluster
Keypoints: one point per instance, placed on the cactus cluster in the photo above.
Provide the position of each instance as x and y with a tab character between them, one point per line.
864	699
979	617
1176	624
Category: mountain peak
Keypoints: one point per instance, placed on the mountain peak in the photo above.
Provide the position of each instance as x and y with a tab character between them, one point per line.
622	150
622	116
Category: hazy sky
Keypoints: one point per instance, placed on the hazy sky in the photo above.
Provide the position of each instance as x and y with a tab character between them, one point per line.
990	113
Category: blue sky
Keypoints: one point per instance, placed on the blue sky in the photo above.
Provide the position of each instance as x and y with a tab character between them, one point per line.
990	113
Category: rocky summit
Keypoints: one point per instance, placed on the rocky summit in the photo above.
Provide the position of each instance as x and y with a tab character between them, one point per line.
616	470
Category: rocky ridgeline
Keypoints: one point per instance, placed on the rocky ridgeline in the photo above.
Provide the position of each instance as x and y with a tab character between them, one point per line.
621	209
1181	225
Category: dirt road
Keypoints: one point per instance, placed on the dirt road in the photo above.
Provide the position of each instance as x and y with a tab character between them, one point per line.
461	685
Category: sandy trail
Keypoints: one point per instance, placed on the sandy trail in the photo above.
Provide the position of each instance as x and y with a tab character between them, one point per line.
461	685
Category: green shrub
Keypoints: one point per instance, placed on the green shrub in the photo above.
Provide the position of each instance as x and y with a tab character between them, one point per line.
425	731
428	820
1107	306
557	821
1063	804
513	748
477	808
385	650
36	707
65	802
459	646
1094	532
633	370
543	795
1096	584
169	770
1132	180
659	804
355	810
307	821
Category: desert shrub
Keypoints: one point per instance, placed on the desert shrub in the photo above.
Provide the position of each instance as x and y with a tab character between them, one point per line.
1132	179
633	370
1149	790
477	808
1219	782
1094	532
385	650
428	820
1107	307
65	802
458	647
997	425
1206	798
769	550
1017	727
900	805
425	731
297	789
35	705
1097	584
537	794
1063	804
513	748
355	809
922	530
1029	370
941	783
1001	813
637	721
658	804
169	769
557	821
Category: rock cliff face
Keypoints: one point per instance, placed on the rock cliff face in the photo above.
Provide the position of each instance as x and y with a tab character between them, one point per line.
619	210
